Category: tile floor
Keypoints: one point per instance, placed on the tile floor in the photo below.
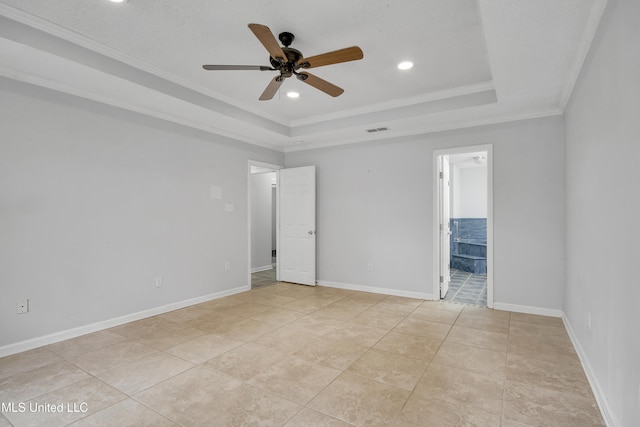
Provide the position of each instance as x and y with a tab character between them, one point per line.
263	278
307	356
467	288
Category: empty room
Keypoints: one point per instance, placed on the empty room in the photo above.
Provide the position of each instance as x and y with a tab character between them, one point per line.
341	213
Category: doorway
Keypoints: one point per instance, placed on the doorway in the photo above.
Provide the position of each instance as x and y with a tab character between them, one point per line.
263	227
463	226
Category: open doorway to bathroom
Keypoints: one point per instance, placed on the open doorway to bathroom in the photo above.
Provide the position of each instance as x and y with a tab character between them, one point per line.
464	238
263	182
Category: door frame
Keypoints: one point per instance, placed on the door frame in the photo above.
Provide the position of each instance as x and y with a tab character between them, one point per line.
436	214
276	169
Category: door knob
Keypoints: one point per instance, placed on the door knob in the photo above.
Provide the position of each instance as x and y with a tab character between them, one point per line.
310	232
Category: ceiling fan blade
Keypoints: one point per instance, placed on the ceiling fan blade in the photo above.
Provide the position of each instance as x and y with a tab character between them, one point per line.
352	53
272	88
321	84
266	37
238	67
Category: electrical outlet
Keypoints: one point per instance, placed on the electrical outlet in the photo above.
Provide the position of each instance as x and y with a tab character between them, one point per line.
23	306
227	266
370	266
158	281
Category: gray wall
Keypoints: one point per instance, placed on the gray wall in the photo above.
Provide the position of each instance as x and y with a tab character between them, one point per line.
603	210
96	202
375	204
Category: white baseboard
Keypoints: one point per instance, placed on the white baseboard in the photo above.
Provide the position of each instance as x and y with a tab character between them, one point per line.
386	291
32	343
263	268
552	312
601	399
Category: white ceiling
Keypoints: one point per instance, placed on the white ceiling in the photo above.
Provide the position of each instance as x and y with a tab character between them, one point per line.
476	62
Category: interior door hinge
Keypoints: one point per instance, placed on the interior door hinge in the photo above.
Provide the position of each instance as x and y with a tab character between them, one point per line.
441	279
441	175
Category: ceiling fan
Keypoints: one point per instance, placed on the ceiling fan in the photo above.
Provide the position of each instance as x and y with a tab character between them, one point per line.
288	61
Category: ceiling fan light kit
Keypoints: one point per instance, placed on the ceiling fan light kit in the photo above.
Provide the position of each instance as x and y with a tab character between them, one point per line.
288	61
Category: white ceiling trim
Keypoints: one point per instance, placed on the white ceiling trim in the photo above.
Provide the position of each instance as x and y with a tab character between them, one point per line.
83	41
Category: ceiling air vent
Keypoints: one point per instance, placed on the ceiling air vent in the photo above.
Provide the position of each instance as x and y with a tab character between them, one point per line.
377	130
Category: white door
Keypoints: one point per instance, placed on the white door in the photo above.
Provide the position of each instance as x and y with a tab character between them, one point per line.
445	232
297	243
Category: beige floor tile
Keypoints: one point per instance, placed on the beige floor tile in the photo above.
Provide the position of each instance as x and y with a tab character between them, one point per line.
535	330
307	305
433	315
219	304
538	320
132	378
316	324
413	346
378	319
485	362
295	379
544	348
538	406
194	397
203	348
389	307
127	413
365	297
157	332
246	330
246	309
213	322
310	418
278	316
246	361
442	305
491	323
559	375
185	314
488	340
104	359
389	368
360	401
27	361
510	423
473	310
275	300
72	348
76	401
420	412
358	334
461	387
415	302
341	311
287	339
39	381
423	328
337	354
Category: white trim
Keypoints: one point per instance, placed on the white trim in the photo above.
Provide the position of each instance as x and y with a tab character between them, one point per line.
110	323
527	309
435	291
263	268
601	398
591	27
375	290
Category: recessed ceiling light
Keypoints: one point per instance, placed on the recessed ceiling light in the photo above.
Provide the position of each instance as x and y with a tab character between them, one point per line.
293	94
118	1
405	65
